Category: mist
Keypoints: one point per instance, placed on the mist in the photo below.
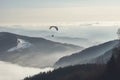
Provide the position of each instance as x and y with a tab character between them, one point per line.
10	71
100	32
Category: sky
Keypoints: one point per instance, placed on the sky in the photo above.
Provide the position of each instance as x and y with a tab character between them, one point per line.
45	11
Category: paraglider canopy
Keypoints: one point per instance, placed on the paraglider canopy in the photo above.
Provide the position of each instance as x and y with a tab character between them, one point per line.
55	27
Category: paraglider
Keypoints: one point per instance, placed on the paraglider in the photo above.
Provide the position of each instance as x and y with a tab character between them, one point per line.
53	27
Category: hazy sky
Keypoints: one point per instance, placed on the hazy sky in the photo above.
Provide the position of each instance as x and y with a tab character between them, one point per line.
39	11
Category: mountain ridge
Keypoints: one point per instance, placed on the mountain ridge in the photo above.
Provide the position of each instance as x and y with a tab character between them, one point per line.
87	55
40	48
108	71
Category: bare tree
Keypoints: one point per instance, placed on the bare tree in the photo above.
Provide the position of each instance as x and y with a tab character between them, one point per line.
118	33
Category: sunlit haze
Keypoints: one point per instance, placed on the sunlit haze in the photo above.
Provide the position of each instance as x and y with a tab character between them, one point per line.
45	11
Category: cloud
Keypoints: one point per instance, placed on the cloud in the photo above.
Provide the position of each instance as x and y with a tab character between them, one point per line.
15	72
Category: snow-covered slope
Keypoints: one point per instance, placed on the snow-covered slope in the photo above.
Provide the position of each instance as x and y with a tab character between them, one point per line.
21	44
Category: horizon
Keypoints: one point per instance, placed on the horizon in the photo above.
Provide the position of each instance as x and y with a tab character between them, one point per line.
101	32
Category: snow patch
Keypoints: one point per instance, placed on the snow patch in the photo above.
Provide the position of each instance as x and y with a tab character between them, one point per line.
21	44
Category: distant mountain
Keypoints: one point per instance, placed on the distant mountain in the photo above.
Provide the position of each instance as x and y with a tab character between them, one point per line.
74	40
108	71
32	51
95	54
59	37
16	29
